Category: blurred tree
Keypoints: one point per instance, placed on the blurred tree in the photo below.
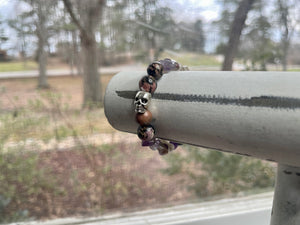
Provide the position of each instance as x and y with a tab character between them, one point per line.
87	16
191	36
198	26
3	37
40	11
154	27
256	44
115	22
68	47
283	10
294	56
40	15
223	24
116	31
235	32
24	29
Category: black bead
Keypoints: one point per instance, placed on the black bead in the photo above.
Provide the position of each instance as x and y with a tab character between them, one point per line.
146	132
155	69
148	83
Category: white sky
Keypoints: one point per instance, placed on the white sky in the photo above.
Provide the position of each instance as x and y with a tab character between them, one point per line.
209	10
189	10
185	10
3	2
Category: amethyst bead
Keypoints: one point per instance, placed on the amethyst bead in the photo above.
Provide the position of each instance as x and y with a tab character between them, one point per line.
155	144
175	144
148	84
148	143
169	65
146	132
155	70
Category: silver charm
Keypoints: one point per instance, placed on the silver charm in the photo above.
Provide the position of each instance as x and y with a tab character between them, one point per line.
142	101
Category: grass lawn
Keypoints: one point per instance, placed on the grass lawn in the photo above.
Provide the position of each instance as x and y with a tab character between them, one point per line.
40	108
52	63
18	92
18	66
192	59
294	70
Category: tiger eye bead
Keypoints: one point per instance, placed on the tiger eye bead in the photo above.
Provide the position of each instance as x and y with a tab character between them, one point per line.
146	132
144	118
148	84
163	148
155	69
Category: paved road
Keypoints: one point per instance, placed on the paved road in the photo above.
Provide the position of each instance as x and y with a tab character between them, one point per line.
66	72
105	70
115	69
249	210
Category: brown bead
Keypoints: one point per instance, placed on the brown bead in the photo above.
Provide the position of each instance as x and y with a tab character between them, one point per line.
144	118
163	147
163	151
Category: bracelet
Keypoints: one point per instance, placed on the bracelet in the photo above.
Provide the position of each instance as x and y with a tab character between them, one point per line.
147	86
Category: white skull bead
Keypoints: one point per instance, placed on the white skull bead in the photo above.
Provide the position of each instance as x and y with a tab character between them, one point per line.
142	101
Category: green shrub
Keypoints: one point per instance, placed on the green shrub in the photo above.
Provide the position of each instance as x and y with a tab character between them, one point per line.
21	180
213	172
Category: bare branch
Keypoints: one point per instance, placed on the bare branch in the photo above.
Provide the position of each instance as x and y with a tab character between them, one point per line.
68	6
235	33
100	5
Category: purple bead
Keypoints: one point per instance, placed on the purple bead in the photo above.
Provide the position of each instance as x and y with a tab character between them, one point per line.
175	144
162	146
169	65
148	143
146	132
155	144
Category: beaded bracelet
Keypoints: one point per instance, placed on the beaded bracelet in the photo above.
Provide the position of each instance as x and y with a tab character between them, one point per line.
148	85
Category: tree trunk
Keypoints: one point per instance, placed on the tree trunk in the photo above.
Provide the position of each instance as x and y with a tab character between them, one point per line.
42	42
42	60
285	42
284	56
91	85
90	16
235	33
285	52
76	55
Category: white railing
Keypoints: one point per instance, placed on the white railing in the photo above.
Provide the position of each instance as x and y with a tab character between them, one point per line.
249	113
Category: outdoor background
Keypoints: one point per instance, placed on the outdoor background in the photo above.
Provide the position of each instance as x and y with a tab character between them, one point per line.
59	157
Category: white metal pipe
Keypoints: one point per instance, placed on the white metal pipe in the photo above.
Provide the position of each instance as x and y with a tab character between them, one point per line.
286	203
248	113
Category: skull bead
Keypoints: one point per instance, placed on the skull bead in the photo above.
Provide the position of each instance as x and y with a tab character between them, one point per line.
142	101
